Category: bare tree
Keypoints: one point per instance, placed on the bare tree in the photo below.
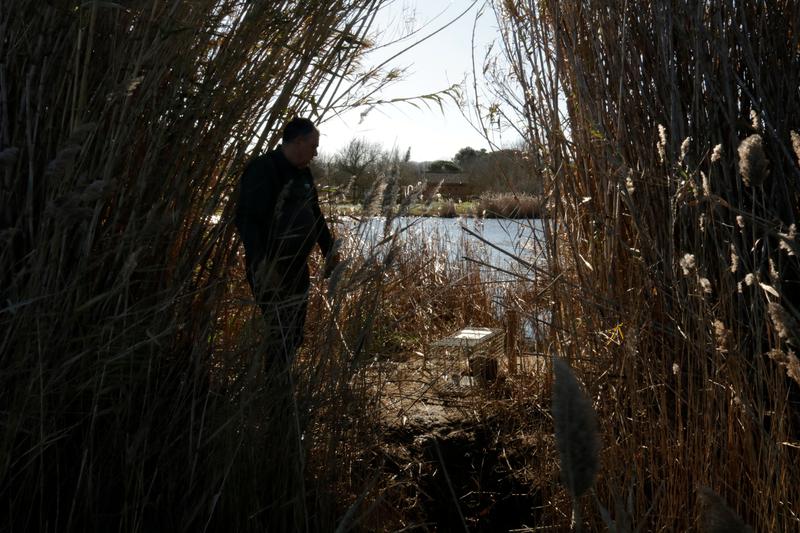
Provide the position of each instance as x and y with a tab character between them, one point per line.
358	158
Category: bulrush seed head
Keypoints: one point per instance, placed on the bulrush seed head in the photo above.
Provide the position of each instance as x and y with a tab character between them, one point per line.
753	163
577	437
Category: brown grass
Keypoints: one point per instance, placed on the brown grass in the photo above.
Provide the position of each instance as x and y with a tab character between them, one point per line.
510	205
130	385
131	390
654	155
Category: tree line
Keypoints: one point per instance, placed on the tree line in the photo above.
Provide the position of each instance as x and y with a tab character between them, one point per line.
360	162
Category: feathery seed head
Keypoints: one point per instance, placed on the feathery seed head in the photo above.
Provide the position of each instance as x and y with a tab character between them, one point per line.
796	145
661	145
774	275
706	183
685	149
374	199
723	336
755	120
788	243
787	360
629	185
785	324
716	154
734	259
753	163
705	285
688	264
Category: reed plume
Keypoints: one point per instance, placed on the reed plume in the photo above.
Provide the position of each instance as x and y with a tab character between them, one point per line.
795	137
753	163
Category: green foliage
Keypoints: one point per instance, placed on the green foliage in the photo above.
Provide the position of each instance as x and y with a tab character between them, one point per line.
468	156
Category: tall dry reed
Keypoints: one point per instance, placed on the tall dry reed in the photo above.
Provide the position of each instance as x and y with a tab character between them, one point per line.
667	133
130	386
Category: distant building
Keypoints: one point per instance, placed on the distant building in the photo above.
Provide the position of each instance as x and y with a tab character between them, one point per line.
449	184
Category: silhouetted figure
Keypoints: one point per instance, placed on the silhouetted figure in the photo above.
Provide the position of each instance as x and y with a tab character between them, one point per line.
279	220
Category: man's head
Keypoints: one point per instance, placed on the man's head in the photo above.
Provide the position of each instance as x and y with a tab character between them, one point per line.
300	142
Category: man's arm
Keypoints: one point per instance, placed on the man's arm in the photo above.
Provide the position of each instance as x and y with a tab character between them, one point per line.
254	209
324	235
325	238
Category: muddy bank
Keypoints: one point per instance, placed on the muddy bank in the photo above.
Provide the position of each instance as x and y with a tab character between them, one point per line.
454	458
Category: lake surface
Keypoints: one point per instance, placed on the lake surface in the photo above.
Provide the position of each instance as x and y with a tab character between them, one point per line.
456	240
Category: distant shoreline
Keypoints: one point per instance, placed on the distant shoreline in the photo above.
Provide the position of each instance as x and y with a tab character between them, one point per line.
500	206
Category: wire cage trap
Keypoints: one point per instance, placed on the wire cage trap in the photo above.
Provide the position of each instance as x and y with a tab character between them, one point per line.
476	352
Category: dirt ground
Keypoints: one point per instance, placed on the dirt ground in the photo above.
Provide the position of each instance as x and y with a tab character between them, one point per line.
457	453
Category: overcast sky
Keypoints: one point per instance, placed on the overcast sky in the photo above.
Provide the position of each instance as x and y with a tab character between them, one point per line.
433	65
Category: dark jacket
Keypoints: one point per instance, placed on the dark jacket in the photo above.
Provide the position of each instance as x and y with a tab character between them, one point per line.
279	221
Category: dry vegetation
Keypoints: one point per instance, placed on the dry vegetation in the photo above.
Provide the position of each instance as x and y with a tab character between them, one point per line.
673	176
123	129
510	206
132	395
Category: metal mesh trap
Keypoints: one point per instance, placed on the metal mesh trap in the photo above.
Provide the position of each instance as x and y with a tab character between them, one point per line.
477	352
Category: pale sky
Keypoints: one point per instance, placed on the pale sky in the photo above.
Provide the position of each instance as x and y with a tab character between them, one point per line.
433	65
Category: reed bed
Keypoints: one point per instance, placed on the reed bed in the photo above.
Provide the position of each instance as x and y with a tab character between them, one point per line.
668	131
510	205
131	390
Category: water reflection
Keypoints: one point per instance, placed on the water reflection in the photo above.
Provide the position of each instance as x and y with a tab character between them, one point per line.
458	239
504	251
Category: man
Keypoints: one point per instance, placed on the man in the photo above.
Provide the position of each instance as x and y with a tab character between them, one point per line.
279	220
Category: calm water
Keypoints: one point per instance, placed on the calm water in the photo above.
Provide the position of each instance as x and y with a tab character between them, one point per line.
453	239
